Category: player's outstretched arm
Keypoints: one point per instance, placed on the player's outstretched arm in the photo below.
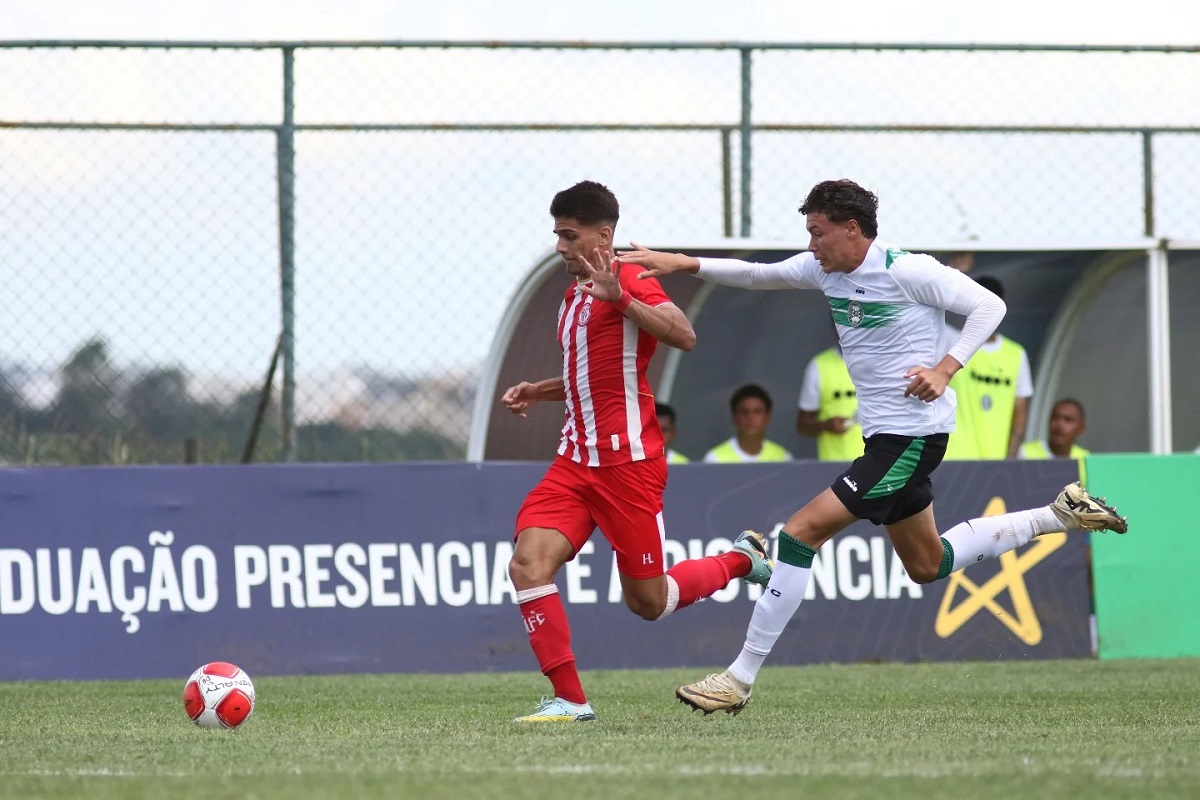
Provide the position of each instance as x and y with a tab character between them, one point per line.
519	398
786	274
658	263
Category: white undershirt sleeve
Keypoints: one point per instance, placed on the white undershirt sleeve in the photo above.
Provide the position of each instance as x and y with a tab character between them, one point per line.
983	310
927	281
1024	376
810	388
790	273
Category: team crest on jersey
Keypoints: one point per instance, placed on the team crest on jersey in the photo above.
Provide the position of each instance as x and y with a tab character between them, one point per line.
854	314
585	314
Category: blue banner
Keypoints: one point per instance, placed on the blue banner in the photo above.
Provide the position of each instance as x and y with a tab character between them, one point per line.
294	569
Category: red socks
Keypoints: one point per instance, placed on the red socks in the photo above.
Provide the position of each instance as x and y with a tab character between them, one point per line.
700	577
550	637
550	634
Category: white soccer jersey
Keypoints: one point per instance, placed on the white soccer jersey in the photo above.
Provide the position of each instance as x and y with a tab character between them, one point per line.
890	316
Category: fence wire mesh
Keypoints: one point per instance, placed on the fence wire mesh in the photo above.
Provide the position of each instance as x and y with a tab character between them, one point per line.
140	207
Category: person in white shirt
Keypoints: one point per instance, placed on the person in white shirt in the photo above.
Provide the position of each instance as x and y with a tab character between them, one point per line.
889	307
828	407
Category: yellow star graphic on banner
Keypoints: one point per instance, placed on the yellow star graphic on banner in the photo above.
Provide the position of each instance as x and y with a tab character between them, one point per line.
1023	622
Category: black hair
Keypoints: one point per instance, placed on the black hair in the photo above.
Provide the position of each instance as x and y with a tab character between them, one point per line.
664	410
843	201
1072	402
587	202
749	390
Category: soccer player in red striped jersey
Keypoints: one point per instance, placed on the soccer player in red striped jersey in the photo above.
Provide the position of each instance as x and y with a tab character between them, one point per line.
610	470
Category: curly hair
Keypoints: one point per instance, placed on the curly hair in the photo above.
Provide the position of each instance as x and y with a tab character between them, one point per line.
843	201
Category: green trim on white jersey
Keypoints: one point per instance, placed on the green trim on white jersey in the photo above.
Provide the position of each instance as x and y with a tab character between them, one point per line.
853	314
903	298
892	254
898	300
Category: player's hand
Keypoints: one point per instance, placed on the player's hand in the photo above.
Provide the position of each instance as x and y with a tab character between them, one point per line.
657	263
520	397
927	385
603	272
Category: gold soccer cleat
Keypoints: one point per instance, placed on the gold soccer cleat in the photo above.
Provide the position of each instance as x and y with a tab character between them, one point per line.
1078	510
717	692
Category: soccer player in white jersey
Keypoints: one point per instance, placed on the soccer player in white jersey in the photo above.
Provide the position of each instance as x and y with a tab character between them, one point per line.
611	467
888	306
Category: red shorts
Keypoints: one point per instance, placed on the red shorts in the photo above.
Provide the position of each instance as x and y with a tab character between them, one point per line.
624	501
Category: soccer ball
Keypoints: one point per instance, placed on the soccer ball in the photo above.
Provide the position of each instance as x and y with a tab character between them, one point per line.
218	695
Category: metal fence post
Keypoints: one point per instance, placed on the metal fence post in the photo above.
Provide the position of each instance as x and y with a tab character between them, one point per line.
1158	314
746	127
726	183
286	169
1148	183
1158	317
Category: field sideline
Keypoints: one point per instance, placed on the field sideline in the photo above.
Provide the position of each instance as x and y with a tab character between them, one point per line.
979	730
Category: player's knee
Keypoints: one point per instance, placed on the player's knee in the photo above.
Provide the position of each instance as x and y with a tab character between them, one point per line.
922	573
526	571
645	608
803	530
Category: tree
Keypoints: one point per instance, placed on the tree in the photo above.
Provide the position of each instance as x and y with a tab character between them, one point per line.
329	441
87	392
158	404
12	407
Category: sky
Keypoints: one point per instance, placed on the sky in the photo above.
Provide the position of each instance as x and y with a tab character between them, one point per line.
943	21
120	207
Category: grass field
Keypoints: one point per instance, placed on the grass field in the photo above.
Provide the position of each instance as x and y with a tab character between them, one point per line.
979	730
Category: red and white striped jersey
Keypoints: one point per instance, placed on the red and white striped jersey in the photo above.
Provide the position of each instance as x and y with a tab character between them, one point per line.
610	416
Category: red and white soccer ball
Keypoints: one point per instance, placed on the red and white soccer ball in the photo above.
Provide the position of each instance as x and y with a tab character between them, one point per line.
218	695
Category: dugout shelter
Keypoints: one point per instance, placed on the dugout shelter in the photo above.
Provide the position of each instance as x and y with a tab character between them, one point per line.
1116	325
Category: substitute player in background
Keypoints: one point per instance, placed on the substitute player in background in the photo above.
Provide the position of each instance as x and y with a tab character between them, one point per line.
889	309
611	469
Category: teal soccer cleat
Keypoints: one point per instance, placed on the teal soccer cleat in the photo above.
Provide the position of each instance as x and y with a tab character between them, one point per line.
555	709
756	547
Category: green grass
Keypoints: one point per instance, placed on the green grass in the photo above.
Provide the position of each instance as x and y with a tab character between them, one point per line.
977	730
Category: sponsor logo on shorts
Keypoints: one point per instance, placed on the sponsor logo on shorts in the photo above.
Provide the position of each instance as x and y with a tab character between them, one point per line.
853	486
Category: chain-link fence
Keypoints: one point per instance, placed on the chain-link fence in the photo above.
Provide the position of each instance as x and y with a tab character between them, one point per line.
222	252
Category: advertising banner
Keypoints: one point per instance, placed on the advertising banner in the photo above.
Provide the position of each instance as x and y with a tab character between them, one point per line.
1146	590
293	569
